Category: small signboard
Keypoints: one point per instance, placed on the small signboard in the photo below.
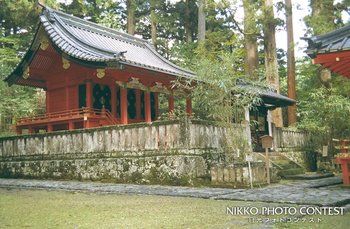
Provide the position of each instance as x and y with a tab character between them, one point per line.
324	151
266	141
249	157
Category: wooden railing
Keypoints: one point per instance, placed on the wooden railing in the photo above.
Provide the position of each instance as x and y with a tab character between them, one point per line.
110	117
67	115
285	138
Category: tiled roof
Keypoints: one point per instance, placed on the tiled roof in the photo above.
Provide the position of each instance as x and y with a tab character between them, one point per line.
92	43
335	41
268	96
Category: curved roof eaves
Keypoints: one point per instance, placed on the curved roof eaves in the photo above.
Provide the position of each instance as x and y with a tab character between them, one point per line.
103	43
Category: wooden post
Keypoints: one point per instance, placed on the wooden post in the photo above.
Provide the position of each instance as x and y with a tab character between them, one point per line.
148	116
18	130
89	94
138	104
269	121
124	105
49	128
247	125
71	125
189	107
171	104
345	166
267	165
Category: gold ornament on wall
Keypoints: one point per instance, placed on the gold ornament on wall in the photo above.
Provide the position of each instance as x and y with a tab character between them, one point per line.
100	73
26	73
65	63
44	44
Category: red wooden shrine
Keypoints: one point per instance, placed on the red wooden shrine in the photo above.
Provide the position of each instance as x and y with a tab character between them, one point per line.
332	50
94	76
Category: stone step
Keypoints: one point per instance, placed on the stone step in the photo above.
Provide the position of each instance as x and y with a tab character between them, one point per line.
289	172
314	176
285	164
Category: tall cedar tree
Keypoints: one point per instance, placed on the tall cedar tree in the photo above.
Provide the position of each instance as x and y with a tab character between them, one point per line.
250	39
131	8
271	56
322	21
201	20
292	110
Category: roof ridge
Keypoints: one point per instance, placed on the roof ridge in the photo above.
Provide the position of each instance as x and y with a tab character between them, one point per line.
67	39
343	31
101	29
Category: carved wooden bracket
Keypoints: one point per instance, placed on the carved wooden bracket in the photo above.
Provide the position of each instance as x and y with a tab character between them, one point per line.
159	87
136	84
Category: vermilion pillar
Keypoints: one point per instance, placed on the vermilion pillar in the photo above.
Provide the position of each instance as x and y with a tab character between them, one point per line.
49	128
18	130
189	107
124	105
171	104
148	116
89	94
71	125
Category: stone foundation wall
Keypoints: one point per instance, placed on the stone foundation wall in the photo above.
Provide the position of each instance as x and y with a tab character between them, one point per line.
237	174
172	152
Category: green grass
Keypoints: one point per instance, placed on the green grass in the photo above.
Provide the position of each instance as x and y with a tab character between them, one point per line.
60	209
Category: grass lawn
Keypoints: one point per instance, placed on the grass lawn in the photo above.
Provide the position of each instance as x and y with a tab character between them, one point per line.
61	209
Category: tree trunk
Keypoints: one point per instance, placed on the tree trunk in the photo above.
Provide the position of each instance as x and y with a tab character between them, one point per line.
322	21
250	40
153	23
188	28
201	20
271	56
292	110
131	8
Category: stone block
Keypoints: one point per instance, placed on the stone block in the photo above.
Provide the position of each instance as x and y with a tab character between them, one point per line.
226	175
220	174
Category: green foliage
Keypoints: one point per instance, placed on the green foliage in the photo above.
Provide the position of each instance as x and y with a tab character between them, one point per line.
216	93
18	21
325	112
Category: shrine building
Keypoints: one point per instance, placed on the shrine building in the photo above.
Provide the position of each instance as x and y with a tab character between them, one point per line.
94	76
332	50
